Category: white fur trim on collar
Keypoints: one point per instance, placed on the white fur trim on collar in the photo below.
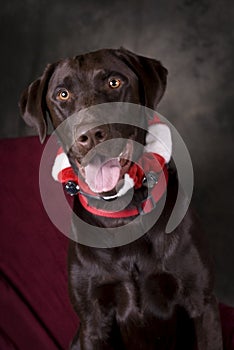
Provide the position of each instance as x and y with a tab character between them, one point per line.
61	162
158	140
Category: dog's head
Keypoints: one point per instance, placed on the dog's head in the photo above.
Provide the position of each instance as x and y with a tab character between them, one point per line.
73	85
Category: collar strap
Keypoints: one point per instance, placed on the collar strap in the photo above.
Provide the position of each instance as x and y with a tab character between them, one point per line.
154	176
146	206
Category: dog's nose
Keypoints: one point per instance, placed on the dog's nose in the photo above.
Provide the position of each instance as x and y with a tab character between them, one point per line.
92	137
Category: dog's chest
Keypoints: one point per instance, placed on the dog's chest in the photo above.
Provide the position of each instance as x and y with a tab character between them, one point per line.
139	294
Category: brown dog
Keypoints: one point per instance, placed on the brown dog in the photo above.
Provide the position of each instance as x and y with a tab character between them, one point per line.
155	292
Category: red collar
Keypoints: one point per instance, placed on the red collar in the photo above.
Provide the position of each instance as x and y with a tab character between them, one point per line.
146	206
154	176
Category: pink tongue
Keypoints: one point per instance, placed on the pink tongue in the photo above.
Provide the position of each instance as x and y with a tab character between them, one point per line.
102	176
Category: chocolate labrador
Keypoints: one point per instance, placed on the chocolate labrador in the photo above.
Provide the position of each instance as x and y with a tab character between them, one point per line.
156	291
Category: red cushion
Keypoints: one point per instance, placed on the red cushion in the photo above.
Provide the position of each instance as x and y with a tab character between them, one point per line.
35	308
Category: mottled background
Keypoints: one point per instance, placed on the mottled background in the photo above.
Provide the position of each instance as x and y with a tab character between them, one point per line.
193	39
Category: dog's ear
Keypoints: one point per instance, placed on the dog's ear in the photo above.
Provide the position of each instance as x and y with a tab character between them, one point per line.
151	74
32	102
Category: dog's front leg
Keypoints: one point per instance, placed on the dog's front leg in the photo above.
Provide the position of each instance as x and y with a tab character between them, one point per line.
75	345
208	328
92	337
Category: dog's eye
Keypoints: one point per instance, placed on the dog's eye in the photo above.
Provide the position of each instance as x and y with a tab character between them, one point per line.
63	95
114	83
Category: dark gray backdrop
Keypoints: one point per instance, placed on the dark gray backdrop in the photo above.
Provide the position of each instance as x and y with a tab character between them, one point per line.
193	39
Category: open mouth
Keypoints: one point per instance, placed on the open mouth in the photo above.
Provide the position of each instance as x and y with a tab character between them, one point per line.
102	173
